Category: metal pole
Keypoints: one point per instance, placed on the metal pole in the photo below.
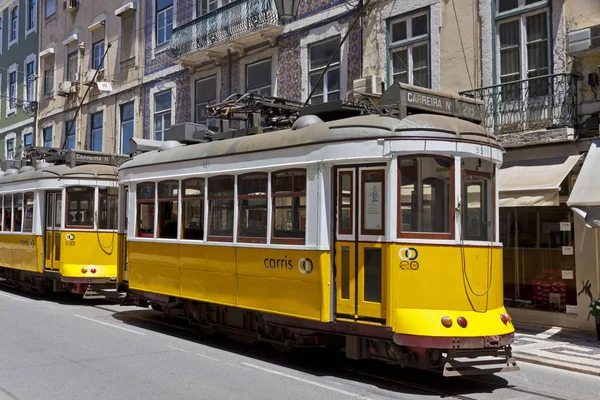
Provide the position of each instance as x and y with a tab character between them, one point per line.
108	46
362	9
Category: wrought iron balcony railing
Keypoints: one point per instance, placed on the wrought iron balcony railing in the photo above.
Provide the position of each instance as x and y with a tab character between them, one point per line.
543	102
222	25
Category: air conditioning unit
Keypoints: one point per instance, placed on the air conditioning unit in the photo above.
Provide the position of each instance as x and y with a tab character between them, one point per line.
88	77
65	88
369	84
70	5
584	42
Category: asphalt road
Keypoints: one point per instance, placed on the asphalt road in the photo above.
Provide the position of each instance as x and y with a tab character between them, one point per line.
63	348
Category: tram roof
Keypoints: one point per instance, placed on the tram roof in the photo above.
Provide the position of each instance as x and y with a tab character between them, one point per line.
86	171
416	126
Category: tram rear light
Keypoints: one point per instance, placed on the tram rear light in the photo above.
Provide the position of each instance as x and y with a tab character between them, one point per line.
462	321
93	270
83	270
504	318
447	322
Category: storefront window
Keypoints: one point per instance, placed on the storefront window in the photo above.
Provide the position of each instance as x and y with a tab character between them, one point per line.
538	258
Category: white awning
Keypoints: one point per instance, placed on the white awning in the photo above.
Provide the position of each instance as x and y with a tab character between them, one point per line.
529	183
49	51
131	6
585	196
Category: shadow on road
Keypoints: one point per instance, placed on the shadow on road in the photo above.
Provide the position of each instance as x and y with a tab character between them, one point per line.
320	361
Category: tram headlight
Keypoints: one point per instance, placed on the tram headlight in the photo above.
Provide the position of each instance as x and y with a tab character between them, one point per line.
504	318
462	322
447	322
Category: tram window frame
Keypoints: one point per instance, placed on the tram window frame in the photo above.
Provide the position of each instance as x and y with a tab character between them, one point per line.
91	207
448	235
242	195
140	203
7	206
489	198
1	213
168	208
28	212
18	214
190	199
364	231
224	198
108	208
350	205
294	194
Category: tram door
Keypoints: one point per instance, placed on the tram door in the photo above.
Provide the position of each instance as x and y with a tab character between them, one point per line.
52	234
359	263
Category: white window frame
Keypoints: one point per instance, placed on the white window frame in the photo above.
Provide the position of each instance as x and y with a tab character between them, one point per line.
11	27
408	44
73	38
216	71
172	85
93	55
251	64
11	136
522	18
11	110
272	53
156	18
25	132
133	101
156	50
317	35
51	92
66	134
136	32
35	17
101	129
44	127
45	7
29	59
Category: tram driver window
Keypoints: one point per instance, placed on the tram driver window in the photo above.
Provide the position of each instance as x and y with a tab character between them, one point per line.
107	209
252	198
289	206
193	209
145	209
477	199
168	193
80	207
8	213
220	208
425	203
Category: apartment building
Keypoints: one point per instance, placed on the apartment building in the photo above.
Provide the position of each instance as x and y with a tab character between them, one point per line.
539	63
200	52
90	54
18	65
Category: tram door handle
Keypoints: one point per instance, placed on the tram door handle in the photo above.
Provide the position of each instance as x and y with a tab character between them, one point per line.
458	204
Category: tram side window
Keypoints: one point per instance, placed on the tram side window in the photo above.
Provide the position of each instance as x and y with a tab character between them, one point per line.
425	204
289	206
18	212
168	193
252	204
1	213
80	207
28	206
477	200
193	209
220	208
145	209
8	213
107	209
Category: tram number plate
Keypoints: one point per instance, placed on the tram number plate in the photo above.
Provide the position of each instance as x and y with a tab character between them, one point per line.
482	151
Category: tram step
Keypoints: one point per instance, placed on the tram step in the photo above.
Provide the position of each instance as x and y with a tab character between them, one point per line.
110	294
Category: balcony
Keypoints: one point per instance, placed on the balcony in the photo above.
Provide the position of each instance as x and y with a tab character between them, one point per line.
542	104
240	24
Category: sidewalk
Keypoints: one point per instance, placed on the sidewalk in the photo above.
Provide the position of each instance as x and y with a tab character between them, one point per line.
557	347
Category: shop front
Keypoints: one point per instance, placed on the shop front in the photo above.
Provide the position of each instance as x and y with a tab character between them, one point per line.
542	237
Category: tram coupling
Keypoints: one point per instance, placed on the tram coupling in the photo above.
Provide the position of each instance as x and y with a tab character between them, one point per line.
479	362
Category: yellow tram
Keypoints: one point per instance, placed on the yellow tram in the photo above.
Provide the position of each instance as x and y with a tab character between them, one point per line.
376	233
58	227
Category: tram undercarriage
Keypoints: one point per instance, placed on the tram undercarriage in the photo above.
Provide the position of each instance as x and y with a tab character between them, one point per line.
358	341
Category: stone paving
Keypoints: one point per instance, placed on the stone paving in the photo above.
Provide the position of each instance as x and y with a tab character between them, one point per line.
558	348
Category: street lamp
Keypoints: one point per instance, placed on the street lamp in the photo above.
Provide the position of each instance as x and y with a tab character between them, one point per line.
287	10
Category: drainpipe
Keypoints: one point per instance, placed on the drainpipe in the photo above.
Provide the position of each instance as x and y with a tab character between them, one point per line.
229	91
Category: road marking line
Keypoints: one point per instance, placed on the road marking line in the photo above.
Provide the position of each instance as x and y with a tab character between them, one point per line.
8	296
271	371
107	324
549	333
178	349
210	358
239	366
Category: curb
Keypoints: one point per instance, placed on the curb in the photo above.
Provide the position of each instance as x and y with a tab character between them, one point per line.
556	364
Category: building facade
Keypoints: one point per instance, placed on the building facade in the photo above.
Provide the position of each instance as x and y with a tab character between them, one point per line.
18	69
539	63
90	51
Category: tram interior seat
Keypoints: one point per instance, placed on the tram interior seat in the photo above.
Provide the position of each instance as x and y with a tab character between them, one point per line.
194	232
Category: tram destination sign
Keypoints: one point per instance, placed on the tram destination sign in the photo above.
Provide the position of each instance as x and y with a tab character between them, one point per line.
415	98
90	157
